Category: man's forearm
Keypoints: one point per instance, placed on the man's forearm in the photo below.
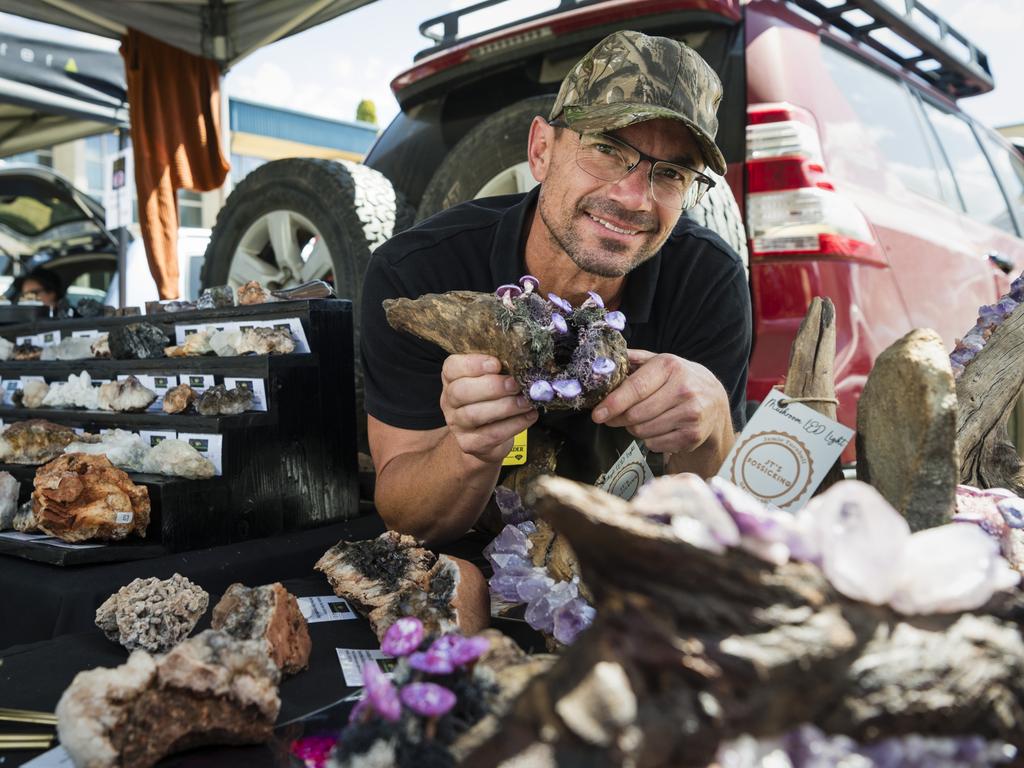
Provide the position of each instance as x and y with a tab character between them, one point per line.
435	495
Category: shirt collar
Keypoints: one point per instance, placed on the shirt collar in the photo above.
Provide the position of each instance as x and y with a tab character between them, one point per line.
508	262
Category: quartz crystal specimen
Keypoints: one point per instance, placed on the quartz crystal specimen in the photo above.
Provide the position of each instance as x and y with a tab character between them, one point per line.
210	689
195	344
27	351
25	519
225	343
34	441
269	614
78	497
563	357
999	513
71	348
219	297
125	396
101	346
152	614
177	458
266	341
178	399
253	293
10	488
33	394
76	392
124	449
391	576
220	401
990	317
137	341
6	349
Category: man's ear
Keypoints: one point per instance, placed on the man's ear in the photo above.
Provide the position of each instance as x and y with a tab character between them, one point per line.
539	148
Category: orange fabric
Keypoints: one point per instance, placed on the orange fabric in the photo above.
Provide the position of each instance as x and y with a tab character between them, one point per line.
174	103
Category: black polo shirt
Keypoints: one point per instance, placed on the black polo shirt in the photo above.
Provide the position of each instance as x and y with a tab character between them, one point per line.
690	299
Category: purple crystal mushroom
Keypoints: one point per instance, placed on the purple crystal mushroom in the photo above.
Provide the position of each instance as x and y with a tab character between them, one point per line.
461	650
432	662
403	637
541	391
428	699
529	283
380	693
567	389
1012	510
558	323
595	300
616	320
603	366
512	291
559	302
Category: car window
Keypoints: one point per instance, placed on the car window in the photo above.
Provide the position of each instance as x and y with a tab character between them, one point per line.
1010	170
979	189
886	113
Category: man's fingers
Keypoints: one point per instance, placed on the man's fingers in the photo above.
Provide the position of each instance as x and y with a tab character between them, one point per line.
637	387
467	390
637	357
461	366
484	441
483	414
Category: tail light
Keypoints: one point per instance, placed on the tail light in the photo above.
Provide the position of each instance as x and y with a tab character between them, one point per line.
793	208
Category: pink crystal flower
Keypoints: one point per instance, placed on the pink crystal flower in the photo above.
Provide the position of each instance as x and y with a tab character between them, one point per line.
381	693
461	650
403	637
428	699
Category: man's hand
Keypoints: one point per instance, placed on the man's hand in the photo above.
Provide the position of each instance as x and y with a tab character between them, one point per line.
674	405
484	410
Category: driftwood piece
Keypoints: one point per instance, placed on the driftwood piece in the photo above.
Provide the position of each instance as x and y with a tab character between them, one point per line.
986	392
906	430
811	371
690	648
469	322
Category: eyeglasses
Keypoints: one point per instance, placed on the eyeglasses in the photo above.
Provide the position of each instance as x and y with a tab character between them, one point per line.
611	159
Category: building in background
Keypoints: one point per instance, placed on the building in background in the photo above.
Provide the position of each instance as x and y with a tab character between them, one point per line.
258	133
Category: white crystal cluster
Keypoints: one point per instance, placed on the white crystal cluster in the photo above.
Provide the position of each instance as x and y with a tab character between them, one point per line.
990	317
79	391
130	452
863	545
808	747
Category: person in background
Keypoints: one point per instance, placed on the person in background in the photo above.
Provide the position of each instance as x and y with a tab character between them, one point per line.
41	285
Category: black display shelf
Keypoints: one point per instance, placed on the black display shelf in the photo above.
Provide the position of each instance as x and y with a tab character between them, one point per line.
113	552
180	422
291	467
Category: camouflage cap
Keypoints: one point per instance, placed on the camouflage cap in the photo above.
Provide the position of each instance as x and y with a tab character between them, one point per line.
630	77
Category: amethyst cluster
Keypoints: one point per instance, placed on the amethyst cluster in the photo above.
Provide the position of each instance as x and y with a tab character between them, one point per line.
864	547
808	747
999	513
432	698
565	340
990	317
553	607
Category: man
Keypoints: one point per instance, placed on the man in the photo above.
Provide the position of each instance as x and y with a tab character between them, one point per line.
40	285
621	155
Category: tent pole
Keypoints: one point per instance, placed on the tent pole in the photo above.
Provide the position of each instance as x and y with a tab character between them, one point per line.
122	243
311	10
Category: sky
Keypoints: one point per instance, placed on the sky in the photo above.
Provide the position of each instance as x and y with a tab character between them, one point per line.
327	70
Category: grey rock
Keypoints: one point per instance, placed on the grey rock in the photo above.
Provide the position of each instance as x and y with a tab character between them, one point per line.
10	489
25	519
152	614
266	341
906	430
125	396
71	348
176	458
138	341
92	308
219	297
220	401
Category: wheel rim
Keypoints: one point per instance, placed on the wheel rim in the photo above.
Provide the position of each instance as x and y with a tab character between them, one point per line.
509	181
279	249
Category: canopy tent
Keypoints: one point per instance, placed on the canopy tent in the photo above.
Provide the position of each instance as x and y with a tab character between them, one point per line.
223	30
52	92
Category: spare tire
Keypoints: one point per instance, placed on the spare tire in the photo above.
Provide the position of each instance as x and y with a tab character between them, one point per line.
491	160
305	218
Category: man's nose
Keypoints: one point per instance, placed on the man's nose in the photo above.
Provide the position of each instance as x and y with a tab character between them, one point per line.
633	191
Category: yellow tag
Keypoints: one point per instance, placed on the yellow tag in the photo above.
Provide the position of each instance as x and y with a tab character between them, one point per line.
517	455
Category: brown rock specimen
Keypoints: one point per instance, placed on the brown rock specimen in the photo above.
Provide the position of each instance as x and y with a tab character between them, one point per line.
27	351
218	400
690	647
270	614
210	689
465	322
34	441
252	293
32	394
986	393
101	347
392	576
79	497
266	341
178	399
125	396
906	430
152	614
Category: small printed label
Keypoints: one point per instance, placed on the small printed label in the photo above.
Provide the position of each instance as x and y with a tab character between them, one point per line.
49	337
256	386
85	334
37	340
124	517
784	452
517	455
353	659
327	608
154	437
26	379
10	387
209	445
627	474
200	382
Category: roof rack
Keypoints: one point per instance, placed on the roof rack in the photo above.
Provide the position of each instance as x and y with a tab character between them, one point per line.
449	23
950	62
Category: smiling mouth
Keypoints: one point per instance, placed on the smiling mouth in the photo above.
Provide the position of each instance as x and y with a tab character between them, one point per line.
609	226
